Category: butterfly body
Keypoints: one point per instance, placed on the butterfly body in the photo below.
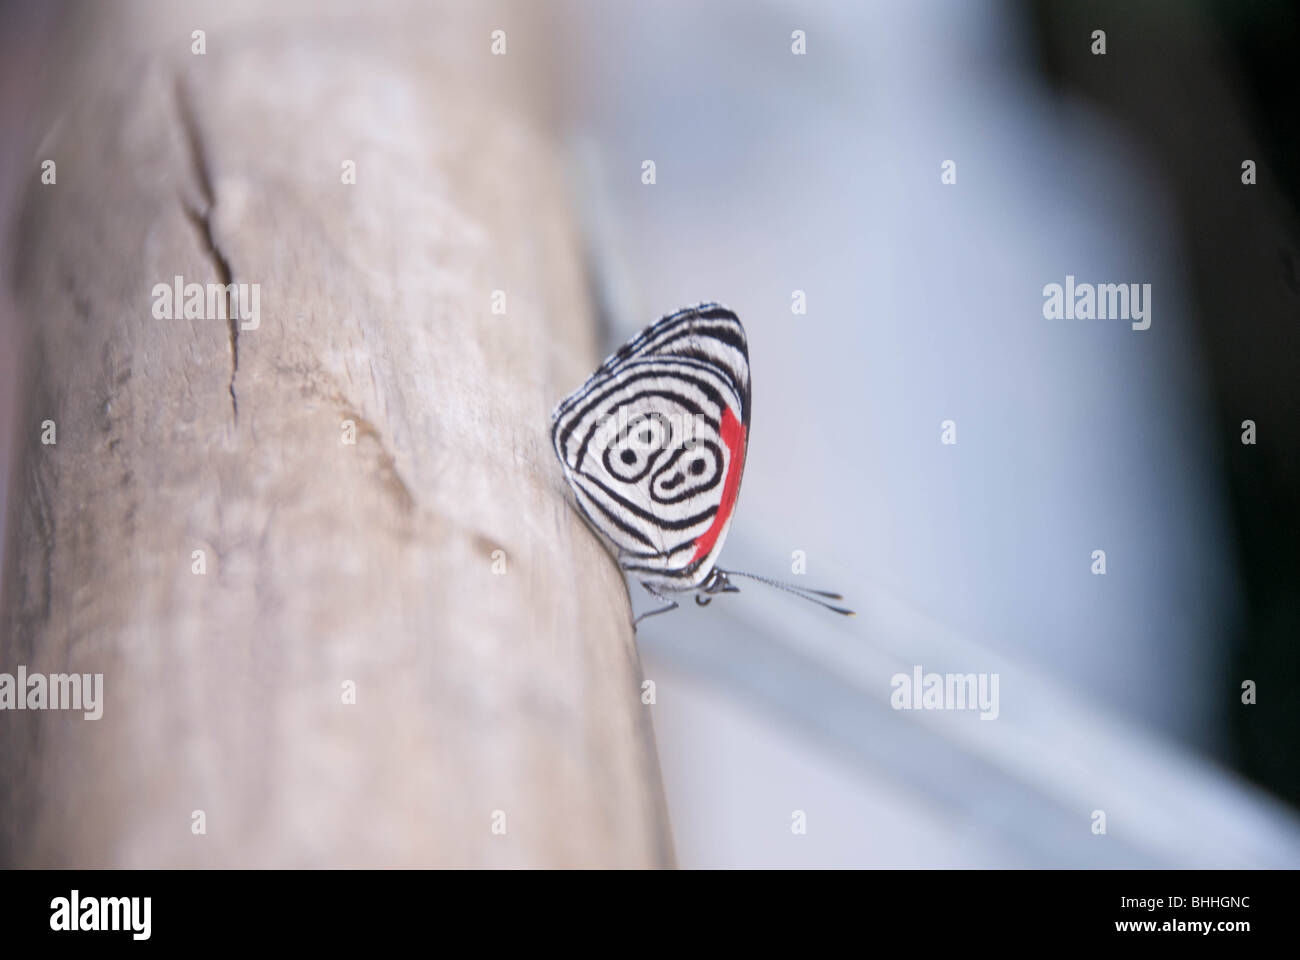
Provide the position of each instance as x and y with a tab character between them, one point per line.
653	446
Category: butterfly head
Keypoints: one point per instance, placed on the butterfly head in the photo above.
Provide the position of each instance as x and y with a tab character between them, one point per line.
716	582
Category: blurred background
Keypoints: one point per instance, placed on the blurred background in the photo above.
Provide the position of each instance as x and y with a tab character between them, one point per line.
820	172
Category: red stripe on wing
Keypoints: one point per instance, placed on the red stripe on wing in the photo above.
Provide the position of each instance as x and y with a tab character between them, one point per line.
733	435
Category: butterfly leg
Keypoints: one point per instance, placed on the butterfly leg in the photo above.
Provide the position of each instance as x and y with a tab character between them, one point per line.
669	604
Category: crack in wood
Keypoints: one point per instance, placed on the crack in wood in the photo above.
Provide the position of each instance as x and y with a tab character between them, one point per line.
202	221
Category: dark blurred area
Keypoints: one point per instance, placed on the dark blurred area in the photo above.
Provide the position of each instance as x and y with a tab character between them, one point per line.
1205	86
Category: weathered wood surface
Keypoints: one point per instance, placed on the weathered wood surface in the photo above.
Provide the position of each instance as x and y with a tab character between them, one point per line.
475	691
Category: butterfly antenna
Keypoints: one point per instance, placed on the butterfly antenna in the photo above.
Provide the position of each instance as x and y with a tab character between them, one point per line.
804	593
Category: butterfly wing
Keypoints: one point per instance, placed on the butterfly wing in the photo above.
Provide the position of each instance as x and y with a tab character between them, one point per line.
653	444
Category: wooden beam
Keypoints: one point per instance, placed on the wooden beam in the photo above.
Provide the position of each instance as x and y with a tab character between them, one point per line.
350	487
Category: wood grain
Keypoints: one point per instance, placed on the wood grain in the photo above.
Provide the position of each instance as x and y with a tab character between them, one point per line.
325	562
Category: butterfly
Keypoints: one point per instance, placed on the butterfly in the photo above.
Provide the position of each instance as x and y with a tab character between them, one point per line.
653	446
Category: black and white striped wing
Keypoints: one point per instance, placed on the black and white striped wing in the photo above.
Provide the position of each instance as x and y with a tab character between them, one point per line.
653	444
